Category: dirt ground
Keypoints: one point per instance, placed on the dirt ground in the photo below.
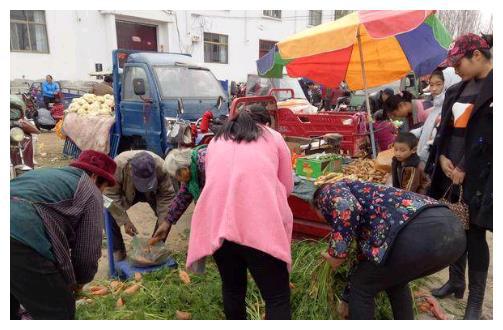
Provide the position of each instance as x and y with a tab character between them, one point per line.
49	154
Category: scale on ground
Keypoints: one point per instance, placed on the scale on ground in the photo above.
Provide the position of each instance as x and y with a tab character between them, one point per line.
123	269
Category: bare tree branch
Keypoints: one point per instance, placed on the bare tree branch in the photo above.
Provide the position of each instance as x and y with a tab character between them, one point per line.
459	22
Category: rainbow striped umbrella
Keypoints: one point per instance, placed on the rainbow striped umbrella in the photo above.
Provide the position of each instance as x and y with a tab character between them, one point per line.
393	43
365	48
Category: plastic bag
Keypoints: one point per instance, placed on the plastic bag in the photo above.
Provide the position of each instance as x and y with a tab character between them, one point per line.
59	130
45	117
144	255
180	133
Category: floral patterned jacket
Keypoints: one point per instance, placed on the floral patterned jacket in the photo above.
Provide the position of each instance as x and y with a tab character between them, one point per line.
183	198
373	214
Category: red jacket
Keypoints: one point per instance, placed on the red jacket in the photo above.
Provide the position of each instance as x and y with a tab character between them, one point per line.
385	134
58	111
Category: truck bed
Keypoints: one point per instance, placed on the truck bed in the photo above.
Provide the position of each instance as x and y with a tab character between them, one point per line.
351	125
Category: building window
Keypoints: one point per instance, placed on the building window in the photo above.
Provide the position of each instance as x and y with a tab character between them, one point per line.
28	32
341	13
272	13
216	48
265	46
315	17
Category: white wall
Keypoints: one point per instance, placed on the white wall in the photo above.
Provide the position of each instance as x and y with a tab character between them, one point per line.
243	33
76	42
79	39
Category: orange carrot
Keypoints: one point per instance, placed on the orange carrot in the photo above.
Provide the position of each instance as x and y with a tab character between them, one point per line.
96	288
132	289
183	315
103	291
120	303
184	277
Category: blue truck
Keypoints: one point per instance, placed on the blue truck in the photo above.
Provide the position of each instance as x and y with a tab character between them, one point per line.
152	91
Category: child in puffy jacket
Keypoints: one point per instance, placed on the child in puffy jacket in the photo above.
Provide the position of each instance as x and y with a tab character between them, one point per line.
407	169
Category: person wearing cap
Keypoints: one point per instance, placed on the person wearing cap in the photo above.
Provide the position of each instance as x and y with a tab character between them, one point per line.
463	158
140	177
56	225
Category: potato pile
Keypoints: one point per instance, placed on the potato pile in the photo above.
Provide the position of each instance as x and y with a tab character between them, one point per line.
364	169
91	105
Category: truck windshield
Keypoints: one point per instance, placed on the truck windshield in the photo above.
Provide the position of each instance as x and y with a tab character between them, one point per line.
260	86
187	82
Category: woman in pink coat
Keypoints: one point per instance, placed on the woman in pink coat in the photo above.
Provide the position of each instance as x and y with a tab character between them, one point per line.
242	216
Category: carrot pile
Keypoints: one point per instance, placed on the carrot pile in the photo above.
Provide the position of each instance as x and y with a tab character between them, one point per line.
173	294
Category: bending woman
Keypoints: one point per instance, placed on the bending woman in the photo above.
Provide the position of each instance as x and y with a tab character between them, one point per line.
401	236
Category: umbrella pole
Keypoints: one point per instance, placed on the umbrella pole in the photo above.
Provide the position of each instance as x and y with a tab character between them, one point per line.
367	101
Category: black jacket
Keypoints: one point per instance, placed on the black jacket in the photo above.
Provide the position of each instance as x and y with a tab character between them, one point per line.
376	102
478	185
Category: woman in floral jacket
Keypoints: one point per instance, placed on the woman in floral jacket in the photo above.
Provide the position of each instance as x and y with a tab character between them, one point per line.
400	236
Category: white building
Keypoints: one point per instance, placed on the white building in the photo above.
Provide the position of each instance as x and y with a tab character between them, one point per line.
70	44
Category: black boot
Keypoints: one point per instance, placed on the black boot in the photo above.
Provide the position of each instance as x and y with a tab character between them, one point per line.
476	287
456	283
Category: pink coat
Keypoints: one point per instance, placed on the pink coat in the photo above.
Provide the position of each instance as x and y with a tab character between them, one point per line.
244	199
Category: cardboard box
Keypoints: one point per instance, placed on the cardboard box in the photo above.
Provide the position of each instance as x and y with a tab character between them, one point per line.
314	166
314	146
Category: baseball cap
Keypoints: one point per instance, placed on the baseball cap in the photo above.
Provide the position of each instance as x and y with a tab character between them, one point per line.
461	46
143	172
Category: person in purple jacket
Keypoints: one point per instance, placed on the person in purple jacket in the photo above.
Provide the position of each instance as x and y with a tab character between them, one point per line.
400	236
385	131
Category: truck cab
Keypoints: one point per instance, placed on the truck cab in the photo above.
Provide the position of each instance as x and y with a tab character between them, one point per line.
261	86
152	90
